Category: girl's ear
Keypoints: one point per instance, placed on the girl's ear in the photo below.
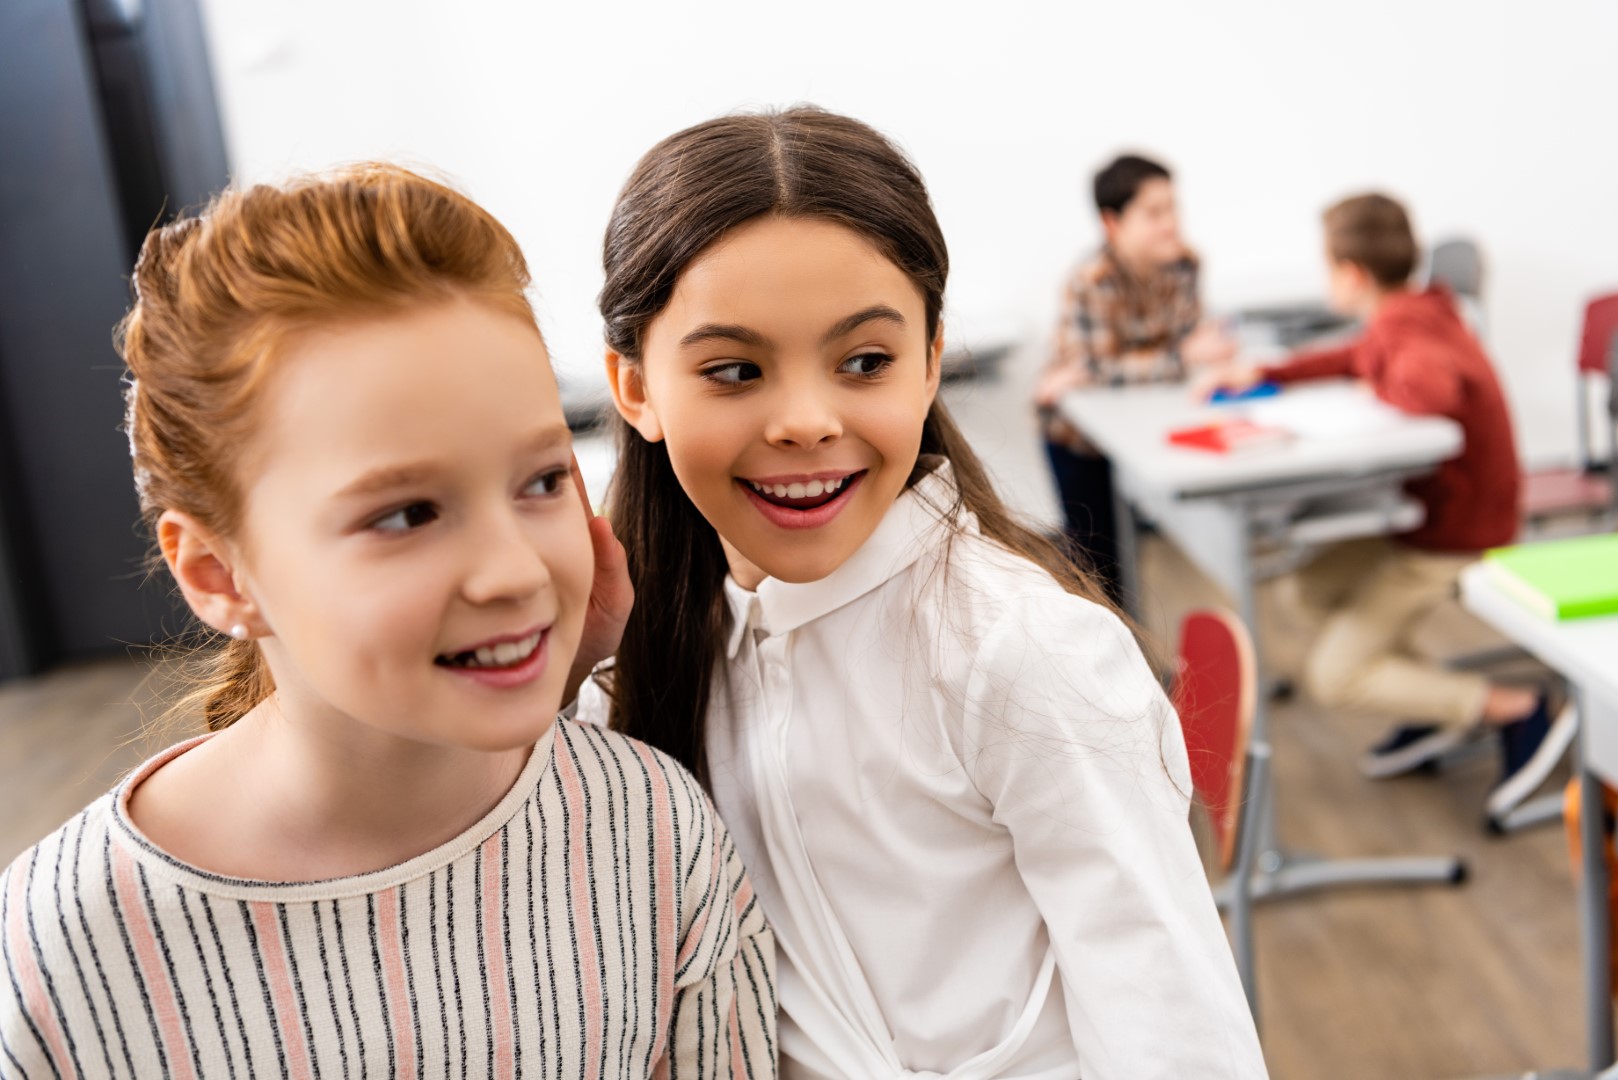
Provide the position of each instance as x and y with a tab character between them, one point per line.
935	365
629	395
203	568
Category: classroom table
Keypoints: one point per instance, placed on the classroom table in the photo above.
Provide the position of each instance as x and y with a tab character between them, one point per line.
1225	511
1585	652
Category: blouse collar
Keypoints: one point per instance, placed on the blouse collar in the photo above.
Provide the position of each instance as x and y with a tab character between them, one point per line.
912	526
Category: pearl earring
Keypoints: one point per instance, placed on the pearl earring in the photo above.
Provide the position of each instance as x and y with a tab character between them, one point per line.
239	631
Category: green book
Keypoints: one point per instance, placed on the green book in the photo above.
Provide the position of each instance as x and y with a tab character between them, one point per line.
1560	579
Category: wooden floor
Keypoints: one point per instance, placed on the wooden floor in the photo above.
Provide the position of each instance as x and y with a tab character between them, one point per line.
1374	984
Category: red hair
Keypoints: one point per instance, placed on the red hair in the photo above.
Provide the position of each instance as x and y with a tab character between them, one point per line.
219	294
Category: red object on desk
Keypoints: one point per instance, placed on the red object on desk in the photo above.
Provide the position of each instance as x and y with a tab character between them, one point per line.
1225	436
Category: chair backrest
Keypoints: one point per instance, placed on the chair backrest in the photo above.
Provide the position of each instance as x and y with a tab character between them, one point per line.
1600	325
1458	265
1214	690
1598	359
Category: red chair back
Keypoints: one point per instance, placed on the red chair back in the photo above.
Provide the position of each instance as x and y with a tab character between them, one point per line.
1600	324
1214	690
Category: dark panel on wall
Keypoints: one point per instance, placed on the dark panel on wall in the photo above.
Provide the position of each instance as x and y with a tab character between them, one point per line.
106	117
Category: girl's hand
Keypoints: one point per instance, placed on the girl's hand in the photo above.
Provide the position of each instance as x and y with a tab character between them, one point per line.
611	596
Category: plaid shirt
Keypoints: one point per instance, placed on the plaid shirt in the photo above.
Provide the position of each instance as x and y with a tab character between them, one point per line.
1117	328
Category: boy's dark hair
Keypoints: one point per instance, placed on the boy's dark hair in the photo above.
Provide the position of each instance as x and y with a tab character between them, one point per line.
688	193
1373	231
1117	185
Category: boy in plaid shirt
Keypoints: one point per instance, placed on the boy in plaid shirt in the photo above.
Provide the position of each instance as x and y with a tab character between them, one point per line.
1129	315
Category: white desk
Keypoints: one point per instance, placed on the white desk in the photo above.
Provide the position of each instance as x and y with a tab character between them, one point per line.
1219	509
1189	493
1131	423
1585	651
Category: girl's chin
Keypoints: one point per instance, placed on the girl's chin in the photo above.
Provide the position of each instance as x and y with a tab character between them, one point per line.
801	563
492	736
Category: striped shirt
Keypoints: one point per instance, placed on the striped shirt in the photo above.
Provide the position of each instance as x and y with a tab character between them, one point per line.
596	924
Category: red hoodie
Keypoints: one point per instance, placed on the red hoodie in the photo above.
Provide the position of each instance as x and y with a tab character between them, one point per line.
1418	356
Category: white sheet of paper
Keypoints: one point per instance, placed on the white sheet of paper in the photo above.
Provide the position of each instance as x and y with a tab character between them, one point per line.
1332	411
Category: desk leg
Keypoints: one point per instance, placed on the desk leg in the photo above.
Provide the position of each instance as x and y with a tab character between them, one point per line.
1593	914
1245	583
1126	525
1254	796
1266	871
1256	845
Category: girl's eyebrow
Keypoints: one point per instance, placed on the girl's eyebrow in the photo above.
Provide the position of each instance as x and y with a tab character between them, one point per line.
388	478
874	313
724	332
743	335
391	477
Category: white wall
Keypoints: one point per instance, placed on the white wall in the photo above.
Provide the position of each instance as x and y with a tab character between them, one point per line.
1495	119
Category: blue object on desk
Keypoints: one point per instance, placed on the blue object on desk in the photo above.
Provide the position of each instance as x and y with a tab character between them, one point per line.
1257	390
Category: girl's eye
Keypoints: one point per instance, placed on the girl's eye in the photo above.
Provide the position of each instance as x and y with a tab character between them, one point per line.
732	374
406	518
866	364
546	483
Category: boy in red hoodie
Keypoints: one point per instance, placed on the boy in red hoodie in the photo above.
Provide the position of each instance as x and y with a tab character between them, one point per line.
1418	356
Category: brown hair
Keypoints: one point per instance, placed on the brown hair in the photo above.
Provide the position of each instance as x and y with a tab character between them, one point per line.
684	195
1373	231
1116	185
218	294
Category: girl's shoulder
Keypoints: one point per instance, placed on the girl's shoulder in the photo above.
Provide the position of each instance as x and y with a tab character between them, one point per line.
612	769
621	790
973	576
71	876
1004	613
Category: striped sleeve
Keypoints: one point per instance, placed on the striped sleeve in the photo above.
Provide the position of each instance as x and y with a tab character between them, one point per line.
22	1046
34	1040
724	1012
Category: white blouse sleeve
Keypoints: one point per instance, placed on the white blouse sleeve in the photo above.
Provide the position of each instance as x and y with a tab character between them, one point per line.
1070	738
592	705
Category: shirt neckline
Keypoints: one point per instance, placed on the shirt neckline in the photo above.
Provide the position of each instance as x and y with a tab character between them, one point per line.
907	531
161	864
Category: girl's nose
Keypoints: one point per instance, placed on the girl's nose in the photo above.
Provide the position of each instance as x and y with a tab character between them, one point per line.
504	563
802	416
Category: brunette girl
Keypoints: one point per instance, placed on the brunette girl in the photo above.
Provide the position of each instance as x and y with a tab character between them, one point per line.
960	790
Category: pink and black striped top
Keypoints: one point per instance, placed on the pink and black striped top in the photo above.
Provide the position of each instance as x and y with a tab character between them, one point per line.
597	924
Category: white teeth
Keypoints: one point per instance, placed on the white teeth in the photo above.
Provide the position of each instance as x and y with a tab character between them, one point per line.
504	654
812	489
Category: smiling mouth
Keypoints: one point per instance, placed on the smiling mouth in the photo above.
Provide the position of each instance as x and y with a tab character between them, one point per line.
809	495
505	655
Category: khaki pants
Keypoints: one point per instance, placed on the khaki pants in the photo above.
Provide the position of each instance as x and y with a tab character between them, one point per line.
1372	593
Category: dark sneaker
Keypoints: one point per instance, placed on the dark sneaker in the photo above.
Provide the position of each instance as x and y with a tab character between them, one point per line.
1529	750
1409	747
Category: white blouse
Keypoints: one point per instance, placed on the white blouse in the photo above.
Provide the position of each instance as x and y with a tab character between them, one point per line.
962	798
